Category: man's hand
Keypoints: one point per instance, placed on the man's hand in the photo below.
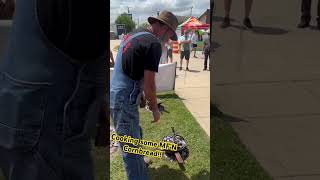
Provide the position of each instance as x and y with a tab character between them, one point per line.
156	116
150	93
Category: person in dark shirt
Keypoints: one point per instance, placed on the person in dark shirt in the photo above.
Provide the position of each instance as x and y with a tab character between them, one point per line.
134	75
206	51
143	54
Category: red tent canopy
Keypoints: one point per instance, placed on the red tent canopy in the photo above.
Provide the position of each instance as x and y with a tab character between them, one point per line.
194	24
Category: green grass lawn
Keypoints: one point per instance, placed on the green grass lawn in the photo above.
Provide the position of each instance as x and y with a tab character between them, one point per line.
229	157
197	166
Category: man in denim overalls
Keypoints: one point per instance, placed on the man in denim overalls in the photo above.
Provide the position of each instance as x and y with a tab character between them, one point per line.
53	83
135	67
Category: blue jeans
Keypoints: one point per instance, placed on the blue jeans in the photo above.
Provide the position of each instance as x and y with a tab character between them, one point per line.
125	116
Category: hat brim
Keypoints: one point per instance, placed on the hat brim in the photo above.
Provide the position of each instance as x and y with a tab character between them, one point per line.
152	20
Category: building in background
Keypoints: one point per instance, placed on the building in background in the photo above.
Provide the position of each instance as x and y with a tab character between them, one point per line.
205	17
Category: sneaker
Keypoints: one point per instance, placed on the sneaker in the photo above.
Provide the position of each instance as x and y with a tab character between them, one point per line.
304	22
187	69
247	23
180	68
225	23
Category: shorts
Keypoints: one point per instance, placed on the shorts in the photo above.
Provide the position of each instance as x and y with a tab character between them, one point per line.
170	53
185	54
194	45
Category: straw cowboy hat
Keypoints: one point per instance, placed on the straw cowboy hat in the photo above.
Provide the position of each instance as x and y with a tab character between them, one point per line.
169	19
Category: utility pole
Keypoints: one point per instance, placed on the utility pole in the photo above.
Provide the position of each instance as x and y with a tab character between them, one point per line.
191	11
128	9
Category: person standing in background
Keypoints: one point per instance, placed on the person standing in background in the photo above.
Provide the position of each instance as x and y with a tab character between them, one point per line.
227	9
169	50
306	14
206	50
194	41
185	46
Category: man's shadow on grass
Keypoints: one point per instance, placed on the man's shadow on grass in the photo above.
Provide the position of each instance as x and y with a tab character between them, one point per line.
202	175
165	172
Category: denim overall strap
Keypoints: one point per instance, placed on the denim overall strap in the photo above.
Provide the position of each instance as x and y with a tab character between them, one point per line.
123	43
119	79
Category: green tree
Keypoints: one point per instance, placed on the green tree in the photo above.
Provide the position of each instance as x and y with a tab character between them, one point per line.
127	21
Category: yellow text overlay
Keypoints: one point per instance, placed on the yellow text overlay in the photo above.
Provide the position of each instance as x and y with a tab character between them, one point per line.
143	152
139	142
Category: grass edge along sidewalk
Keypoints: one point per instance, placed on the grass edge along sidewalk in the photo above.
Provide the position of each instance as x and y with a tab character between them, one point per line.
229	157
197	165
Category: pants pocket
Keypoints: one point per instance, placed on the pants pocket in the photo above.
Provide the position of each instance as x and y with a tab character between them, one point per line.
135	97
22	107
116	99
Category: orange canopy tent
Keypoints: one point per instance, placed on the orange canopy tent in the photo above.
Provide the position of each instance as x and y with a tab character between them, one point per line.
193	24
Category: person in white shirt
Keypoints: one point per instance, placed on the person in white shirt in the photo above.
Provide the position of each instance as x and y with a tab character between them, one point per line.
185	46
194	40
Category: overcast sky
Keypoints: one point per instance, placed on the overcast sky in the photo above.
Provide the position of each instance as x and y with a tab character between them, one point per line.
142	9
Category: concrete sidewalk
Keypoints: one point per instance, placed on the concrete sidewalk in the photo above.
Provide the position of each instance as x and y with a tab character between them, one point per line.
192	87
269	80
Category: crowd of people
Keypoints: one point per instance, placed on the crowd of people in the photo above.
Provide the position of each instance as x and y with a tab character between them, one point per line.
188	43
